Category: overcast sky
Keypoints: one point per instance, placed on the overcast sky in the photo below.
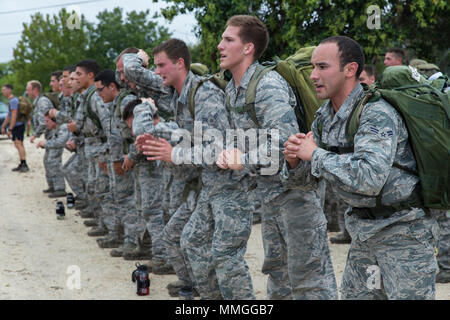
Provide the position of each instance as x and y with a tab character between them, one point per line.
11	21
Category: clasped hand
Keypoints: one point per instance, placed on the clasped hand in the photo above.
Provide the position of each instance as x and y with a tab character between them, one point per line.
299	146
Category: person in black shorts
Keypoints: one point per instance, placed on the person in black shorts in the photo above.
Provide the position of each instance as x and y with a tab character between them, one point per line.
16	123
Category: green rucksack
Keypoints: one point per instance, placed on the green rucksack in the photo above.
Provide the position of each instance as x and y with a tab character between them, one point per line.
25	108
296	70
425	109
199	69
89	112
54	98
219	79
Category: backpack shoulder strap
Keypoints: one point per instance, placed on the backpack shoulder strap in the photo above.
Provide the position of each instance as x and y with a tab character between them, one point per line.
250	94
191	96
371	95
220	83
91	114
122	95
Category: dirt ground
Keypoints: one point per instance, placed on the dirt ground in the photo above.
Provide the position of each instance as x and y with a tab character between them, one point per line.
41	257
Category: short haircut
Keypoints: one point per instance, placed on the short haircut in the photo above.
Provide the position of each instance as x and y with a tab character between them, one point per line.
107	77
398	52
57	74
349	51
127	50
9	86
368	70
252	30
89	65
174	50
70	68
129	108
35	85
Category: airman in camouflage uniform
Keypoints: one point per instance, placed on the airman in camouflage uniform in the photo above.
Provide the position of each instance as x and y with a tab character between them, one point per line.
121	211
55	148
95	149
392	250
293	226
73	169
97	186
149	177
41	105
184	185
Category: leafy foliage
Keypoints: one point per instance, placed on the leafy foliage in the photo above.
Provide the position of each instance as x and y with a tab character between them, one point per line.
417	25
47	44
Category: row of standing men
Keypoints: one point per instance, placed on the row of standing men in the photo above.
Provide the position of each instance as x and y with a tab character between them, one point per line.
198	216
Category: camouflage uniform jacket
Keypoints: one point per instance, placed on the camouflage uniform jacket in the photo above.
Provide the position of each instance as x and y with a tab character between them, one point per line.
112	126
143	116
40	106
149	84
274	106
94	137
358	177
64	113
59	137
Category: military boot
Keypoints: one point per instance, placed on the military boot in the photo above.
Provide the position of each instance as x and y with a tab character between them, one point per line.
161	268
137	254
49	190
86	214
90	223
97	232
112	240
175	287
126	247
58	194
443	276
342	238
80	204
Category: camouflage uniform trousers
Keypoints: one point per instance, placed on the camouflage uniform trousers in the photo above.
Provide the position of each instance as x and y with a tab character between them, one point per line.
397	263
165	202
296	253
48	173
53	170
75	174
334	209
174	228
119	211
149	182
443	257
97	187
215	240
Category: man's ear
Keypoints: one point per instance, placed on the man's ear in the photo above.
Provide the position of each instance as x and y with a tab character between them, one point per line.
249	48
350	69
180	64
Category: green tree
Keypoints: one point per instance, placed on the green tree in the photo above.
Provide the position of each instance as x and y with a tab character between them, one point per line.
50	43
46	45
113	33
419	25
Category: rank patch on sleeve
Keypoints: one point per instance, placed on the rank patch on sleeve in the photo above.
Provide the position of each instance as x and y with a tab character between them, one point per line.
383	133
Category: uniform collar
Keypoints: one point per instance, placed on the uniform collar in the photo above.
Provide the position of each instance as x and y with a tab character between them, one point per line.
347	107
352	99
88	90
246	77
186	87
